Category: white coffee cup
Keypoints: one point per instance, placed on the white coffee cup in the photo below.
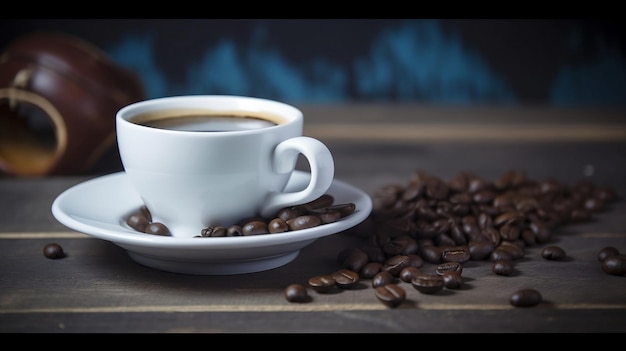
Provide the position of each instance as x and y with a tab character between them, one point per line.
220	171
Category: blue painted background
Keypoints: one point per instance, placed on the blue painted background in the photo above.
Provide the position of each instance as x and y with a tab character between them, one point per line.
328	61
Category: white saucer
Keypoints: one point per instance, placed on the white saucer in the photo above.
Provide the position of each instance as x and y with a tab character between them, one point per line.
99	207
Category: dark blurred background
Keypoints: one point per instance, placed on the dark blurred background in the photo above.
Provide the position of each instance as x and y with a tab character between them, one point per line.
567	63
553	62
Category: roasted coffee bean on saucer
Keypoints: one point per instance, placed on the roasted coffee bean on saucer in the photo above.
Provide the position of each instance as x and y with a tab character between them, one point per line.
315	213
138	222
142	222
157	228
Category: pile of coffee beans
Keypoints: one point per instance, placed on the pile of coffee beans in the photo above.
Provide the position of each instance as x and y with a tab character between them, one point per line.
318	212
449	222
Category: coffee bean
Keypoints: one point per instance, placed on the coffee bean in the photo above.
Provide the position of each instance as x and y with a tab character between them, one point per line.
480	250
525	298
455	254
484	196
382	278
390	295
501	254
516	251
303	222
553	253
606	252
395	264
213	232
492	234
322	283
407	273
370	270
510	232
53	251
456	233
452	279
470	226
427	283
321	202
401	245
277	225
290	213
476	184
344	209
528	237
234	230
157	228
138	222
431	254
326	215
615	265
345	278
502	267
508	217
448	267
458	184
255	227
145	212
414	260
541	230
412	191
297	293
436	189
442	225
353	259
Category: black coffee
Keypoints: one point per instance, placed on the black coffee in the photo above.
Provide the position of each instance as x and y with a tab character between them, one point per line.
205	121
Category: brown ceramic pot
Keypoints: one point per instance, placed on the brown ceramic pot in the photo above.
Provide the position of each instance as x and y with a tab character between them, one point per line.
58	100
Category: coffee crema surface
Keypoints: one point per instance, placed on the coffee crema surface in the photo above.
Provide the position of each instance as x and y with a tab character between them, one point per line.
204	121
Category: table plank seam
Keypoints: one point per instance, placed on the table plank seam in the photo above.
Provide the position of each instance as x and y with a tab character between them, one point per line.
295	308
78	235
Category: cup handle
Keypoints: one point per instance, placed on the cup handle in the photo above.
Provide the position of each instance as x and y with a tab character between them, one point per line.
322	172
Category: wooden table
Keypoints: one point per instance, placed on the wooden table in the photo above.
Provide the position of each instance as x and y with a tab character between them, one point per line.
98	288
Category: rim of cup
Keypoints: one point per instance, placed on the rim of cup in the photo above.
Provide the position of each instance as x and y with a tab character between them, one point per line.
259	107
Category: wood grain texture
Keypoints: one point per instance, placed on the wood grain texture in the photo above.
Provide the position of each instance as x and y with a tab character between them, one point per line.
98	288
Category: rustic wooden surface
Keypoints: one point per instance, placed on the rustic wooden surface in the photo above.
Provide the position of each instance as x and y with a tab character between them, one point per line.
98	288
